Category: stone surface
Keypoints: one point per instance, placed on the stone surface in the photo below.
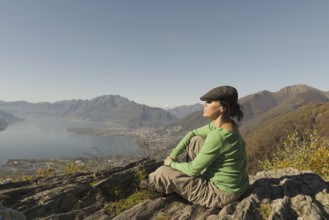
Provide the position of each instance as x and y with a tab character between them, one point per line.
277	194
10	214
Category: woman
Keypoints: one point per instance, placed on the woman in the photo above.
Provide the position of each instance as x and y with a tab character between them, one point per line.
216	174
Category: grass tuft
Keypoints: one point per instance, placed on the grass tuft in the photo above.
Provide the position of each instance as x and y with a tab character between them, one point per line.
265	210
123	204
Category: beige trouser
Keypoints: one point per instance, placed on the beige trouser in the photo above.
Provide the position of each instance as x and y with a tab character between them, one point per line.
195	189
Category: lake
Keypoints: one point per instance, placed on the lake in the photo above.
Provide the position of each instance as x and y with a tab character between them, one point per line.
48	138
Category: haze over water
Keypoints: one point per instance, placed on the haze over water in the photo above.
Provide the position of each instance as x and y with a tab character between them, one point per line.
39	138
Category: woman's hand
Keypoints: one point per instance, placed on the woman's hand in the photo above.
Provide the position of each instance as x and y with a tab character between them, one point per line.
168	161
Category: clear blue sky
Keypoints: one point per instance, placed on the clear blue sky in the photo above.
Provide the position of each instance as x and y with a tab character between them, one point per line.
154	52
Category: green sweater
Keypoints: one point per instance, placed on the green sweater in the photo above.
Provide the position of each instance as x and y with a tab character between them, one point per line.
222	158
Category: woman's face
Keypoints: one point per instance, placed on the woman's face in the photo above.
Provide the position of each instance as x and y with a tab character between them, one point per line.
212	109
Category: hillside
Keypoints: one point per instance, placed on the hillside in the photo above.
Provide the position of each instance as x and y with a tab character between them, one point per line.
3	124
183	111
264	139
262	108
190	122
326	94
114	110
7	119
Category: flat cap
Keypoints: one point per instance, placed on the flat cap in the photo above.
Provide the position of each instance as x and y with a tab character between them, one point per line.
223	93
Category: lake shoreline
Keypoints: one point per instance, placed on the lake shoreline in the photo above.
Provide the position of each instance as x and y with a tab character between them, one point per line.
49	138
62	143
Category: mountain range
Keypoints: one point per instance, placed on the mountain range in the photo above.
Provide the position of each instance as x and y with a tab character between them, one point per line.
259	109
267	115
114	110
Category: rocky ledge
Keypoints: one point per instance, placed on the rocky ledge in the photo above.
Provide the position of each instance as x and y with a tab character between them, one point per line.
276	194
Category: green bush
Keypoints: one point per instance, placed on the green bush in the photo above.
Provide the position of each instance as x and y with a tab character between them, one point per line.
303	150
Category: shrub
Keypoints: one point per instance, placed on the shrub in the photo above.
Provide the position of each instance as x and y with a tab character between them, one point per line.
46	172
303	150
140	175
74	168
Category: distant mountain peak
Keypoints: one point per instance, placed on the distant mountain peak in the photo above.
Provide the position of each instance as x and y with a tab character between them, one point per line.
295	89
107	97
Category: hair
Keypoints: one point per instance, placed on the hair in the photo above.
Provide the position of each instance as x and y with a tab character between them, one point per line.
232	110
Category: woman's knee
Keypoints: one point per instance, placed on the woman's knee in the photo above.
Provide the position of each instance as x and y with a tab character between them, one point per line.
197	139
159	173
194	147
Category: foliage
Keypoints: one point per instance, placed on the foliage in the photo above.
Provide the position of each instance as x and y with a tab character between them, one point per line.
74	168
263	139
116	192
140	175
162	216
126	198
46	171
265	210
94	182
82	198
303	150
16	178
126	203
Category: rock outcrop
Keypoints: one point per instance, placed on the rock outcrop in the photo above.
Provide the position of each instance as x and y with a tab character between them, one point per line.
10	214
277	194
